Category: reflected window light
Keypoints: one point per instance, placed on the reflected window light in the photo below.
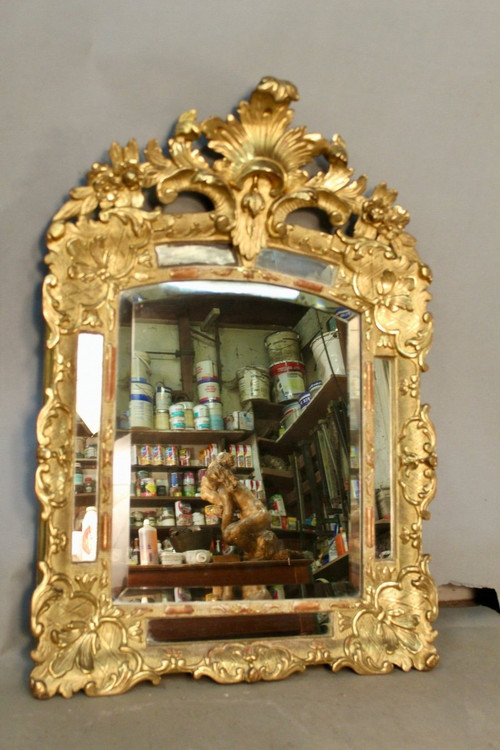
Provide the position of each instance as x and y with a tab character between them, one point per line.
89	380
120	542
232	287
382	423
172	289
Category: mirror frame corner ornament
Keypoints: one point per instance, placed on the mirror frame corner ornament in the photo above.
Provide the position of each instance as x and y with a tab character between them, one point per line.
102	242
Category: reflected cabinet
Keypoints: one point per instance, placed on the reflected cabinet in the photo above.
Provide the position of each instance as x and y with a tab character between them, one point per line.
234	462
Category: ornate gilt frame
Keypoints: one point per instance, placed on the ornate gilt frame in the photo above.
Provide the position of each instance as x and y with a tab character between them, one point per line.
101	242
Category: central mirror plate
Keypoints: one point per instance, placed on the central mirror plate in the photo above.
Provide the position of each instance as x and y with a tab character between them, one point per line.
271	376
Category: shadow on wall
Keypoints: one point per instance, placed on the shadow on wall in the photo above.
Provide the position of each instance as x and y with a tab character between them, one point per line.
487	598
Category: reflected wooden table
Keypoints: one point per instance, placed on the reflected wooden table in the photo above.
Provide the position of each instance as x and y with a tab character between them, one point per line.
251	573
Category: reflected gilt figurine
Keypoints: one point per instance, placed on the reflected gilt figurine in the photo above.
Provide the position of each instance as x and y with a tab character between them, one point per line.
251	531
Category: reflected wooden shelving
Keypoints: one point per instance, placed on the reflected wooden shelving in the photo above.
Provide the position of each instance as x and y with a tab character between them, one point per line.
278	478
270	572
243	470
293	532
82	430
316	409
334	388
335	570
84	498
267	410
159	500
184	437
383	524
164	531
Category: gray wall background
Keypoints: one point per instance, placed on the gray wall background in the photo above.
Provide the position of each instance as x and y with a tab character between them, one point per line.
412	88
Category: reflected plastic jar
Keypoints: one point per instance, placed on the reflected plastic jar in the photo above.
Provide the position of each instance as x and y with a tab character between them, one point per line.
290	414
89	485
176	484
148	487
314	387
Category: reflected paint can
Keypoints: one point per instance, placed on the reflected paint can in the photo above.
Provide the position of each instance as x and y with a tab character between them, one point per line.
288	380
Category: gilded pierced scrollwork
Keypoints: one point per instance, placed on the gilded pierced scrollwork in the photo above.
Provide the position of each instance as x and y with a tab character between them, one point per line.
53	470
255	170
55	433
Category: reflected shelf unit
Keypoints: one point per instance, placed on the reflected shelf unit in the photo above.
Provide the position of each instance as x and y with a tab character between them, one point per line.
184	437
84	498
334	388
241	470
335	570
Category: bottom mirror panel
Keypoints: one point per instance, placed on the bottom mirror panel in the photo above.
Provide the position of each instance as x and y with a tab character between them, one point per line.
224	628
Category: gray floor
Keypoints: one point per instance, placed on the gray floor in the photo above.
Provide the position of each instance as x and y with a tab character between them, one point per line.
455	706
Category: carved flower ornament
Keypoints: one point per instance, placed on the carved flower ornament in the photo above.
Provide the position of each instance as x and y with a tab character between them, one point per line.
379	212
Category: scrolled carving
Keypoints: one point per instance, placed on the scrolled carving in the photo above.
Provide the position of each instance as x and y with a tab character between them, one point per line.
418	461
53	472
390	279
237	662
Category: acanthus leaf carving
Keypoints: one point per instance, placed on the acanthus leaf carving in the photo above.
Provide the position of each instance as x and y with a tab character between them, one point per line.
88	263
392	626
395	286
94	645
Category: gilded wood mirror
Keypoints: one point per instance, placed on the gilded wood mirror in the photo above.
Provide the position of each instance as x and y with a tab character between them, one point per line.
234	463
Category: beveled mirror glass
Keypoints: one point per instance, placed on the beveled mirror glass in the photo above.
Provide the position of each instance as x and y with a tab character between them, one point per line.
234	462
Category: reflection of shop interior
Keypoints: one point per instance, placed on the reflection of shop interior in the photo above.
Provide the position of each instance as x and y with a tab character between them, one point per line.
203	373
